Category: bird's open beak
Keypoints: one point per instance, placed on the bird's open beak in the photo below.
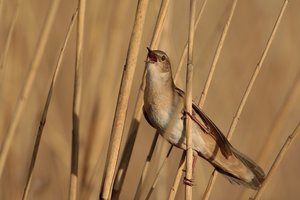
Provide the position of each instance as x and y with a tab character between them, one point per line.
151	56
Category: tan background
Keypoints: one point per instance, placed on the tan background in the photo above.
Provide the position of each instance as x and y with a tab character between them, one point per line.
107	32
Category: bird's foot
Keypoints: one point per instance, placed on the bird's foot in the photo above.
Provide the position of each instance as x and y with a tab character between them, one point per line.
204	127
189	182
185	113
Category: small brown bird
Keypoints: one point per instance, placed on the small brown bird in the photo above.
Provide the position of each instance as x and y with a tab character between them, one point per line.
164	110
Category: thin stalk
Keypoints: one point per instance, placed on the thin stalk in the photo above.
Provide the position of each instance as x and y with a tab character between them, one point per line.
184	54
247	92
176	76
28	84
278	124
138	115
158	173
73	185
289	105
179	173
138	193
210	75
1	6
121	109
45	112
278	160
118	184
217	55
189	101
8	40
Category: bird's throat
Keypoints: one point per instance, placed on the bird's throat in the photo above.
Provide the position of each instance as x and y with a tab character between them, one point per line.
159	98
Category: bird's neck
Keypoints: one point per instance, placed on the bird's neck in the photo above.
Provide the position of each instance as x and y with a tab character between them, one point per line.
159	89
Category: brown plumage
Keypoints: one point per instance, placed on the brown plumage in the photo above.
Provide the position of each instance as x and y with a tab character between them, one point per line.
163	109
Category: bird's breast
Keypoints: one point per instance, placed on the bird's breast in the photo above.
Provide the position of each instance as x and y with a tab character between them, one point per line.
158	113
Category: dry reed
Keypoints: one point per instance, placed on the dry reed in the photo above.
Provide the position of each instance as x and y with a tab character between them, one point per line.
77	92
184	54
246	94
277	161
138	114
158	173
3	57
106	40
177	179
278	124
46	107
154	142
28	85
206	87
188	102
217	55
121	108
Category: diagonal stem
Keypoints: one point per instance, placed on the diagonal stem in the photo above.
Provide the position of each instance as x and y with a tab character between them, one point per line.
28	84
45	112
277	125
209	78
124	92
246	94
278	160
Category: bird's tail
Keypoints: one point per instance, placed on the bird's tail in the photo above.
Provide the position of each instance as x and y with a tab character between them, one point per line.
257	174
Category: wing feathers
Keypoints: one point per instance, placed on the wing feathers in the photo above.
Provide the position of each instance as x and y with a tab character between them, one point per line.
214	131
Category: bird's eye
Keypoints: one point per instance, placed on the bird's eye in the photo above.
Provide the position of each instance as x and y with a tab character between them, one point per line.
163	58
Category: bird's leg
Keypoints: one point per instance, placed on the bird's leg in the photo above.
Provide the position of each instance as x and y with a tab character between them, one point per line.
190	182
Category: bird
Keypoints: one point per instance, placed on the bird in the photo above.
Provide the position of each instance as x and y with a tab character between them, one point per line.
164	110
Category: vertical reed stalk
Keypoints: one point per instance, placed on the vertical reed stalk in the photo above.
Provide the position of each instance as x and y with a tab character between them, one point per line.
73	187
246	94
149	157
28	84
118	184
184	54
121	109
45	112
278	160
207	84
189	101
176	76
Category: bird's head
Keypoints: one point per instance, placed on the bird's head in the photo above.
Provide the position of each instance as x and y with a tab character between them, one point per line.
158	61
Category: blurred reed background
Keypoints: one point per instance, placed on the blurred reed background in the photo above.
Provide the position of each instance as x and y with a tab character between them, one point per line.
108	26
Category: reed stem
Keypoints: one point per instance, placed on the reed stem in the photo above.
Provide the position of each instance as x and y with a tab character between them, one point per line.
124	92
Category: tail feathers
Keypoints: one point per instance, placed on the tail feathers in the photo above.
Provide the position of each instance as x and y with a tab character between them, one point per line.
239	175
259	175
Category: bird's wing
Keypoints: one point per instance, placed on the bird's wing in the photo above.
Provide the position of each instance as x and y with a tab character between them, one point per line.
211	129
